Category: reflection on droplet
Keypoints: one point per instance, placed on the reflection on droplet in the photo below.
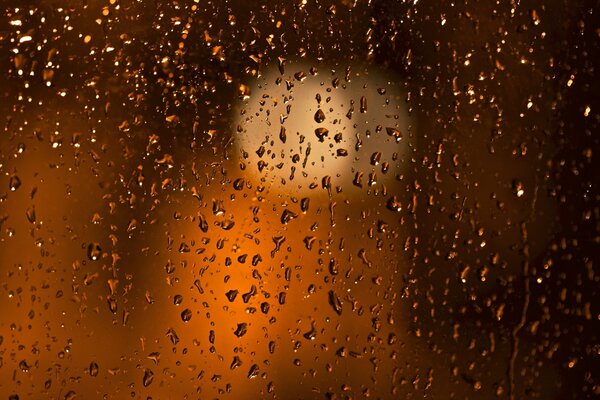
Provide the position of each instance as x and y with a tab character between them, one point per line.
93	369
148	377
186	315
253	372
241	329
94	251
395	133
14	183
319	116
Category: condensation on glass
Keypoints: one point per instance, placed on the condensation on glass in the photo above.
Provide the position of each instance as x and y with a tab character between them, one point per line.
299	199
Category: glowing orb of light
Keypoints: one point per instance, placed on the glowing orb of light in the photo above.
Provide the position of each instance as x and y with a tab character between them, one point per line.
298	128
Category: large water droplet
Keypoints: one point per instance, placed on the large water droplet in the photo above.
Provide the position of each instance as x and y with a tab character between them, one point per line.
319	116
395	133
93	369
321	133
186	315
335	302
231	295
148	377
241	329
287	216
94	251
14	183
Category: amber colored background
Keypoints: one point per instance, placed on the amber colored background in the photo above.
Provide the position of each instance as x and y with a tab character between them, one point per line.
475	291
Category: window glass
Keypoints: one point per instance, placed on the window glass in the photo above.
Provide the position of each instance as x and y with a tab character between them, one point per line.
298	199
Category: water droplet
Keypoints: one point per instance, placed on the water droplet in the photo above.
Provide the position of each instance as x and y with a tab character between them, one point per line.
132	225
300	76
70	395
311	335
177	299
395	133
375	158
93	369
281	64
227	224
278	240
186	315
244	91
253	372
335	302
304	204
30	214
184	248
217	208
321	133
94	251
14	183
363	104
393	204
309	241
241	329
333	267
287	216
148	377
202	223
231	295
319	116
24	366
264	307
238	184
282	135
172	335
236	363
112	304
518	188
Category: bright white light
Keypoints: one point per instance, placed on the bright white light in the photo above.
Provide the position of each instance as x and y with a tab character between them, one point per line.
366	129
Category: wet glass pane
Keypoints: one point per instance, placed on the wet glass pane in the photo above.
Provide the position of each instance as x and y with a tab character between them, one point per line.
299	199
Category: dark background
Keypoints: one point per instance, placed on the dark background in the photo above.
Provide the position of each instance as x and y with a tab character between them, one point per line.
517	317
